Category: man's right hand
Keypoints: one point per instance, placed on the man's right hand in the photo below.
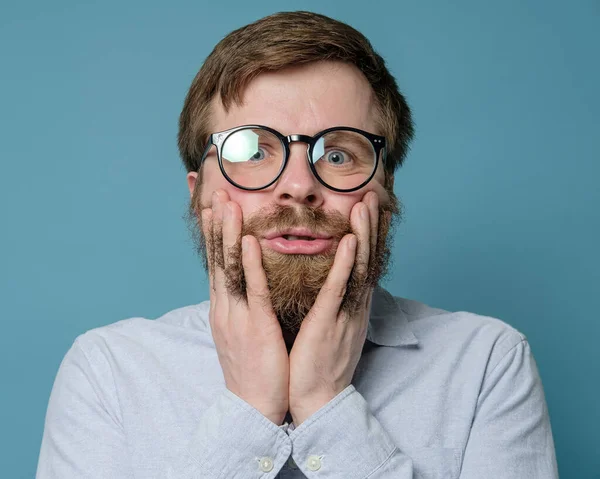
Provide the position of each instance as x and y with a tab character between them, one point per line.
248	336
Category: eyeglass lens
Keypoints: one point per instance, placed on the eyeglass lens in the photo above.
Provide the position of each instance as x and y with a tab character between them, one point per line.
253	158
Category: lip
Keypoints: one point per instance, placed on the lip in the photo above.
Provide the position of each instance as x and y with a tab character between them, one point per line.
319	244
297	232
283	246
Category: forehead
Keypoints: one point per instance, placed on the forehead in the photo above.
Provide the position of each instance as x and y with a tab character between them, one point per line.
304	100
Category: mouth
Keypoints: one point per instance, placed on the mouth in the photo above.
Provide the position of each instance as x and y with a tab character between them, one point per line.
298	241
297	234
296	238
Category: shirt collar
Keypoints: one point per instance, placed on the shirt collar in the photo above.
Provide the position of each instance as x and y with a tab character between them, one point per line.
388	323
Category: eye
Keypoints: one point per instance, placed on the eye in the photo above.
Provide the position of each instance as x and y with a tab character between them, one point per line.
259	155
336	157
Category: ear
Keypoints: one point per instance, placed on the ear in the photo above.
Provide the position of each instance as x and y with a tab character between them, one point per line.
192	176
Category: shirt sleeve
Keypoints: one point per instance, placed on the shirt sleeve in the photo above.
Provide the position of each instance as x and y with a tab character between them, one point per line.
511	435
84	436
345	440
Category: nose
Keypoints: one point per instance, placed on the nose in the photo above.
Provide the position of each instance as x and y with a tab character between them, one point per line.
297	185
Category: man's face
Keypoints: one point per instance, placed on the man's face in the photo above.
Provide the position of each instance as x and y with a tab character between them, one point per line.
299	100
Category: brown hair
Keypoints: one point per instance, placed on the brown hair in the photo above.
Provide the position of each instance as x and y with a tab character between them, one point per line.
279	41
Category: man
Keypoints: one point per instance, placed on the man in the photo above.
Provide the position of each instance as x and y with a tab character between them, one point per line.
299	365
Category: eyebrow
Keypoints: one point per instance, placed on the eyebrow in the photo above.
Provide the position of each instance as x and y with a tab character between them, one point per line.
346	137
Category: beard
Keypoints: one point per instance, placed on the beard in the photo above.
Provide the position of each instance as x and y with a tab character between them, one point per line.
295	280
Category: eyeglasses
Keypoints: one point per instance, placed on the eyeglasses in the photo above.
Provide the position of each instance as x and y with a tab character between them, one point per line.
253	157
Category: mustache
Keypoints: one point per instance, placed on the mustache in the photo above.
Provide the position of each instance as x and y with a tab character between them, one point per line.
280	217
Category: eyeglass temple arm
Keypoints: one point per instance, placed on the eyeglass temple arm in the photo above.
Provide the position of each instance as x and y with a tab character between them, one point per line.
206	150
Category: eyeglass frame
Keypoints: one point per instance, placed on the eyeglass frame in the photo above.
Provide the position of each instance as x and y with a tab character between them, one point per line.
217	139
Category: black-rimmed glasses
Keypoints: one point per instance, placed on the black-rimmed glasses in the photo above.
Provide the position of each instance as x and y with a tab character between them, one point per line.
252	157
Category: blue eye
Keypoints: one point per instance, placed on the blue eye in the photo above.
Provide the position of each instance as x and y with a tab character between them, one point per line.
336	157
259	155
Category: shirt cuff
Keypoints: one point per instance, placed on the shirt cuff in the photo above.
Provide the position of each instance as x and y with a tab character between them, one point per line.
233	439
344	439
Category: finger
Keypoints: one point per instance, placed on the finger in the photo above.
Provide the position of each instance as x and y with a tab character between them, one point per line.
218	199
207	229
209	244
332	293
360	222
257	289
232	228
372	202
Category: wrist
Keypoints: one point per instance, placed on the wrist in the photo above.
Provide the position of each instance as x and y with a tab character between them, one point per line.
308	408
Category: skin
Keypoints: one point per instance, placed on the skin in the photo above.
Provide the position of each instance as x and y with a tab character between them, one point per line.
248	337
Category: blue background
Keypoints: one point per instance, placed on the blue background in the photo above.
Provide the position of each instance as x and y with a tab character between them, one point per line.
500	188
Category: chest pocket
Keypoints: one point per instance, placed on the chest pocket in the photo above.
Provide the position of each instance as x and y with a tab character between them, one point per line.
436	462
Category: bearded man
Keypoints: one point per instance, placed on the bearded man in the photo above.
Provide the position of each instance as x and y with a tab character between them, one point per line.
300	365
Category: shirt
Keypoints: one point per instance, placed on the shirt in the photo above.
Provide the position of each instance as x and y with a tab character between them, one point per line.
436	394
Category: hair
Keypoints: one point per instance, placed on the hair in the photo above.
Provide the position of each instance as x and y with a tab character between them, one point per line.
283	40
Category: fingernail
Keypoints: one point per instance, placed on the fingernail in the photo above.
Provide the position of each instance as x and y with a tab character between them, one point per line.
227	212
244	244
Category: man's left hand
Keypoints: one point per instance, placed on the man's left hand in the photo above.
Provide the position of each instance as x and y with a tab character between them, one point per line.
328	346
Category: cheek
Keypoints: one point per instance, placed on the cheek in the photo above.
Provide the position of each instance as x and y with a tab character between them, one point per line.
344	202
250	201
212	180
377	184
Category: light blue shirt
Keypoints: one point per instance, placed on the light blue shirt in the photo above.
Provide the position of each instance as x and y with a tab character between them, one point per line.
436	394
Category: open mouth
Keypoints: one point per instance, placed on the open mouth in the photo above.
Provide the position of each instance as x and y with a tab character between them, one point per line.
296	238
298	241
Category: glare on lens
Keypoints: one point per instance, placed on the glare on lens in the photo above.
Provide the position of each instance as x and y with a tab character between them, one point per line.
318	150
241	146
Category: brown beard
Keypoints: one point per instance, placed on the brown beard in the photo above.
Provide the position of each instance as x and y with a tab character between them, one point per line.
294	280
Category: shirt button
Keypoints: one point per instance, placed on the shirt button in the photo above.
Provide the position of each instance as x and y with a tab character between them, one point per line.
292	463
266	464
313	463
